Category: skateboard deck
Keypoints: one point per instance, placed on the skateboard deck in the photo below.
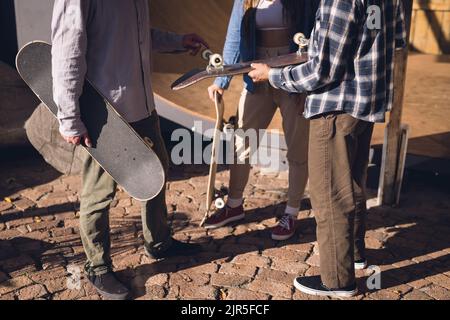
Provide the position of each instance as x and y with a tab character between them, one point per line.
214	195
117	148
197	75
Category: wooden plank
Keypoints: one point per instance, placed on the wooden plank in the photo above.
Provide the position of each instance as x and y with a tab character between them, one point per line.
391	154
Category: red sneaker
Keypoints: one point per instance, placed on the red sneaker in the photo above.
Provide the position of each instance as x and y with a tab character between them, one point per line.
285	228
224	216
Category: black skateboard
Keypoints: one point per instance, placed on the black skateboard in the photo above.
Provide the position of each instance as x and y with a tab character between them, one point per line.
216	68
117	148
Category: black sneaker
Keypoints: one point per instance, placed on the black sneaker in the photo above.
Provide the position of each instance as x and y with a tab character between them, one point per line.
177	249
314	286
109	286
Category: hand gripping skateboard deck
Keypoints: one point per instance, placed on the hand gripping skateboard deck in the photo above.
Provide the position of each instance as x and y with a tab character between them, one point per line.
117	148
217	69
214	195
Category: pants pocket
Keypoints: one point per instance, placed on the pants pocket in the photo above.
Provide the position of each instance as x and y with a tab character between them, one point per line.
323	127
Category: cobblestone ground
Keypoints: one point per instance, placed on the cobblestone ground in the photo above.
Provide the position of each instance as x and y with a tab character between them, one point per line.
40	245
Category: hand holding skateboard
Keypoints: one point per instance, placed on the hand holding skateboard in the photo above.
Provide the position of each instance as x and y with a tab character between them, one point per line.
260	72
193	43
213	90
79	140
217	68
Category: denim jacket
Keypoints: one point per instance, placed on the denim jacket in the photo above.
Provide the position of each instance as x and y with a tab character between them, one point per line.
237	48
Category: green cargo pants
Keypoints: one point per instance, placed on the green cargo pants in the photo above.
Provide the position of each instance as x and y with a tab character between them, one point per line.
98	192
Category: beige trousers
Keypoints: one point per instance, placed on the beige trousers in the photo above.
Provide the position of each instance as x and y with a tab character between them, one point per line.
256	111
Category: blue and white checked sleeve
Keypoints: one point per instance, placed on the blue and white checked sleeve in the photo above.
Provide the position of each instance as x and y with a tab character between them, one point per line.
333	39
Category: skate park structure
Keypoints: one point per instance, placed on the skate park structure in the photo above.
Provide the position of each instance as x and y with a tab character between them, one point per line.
425	110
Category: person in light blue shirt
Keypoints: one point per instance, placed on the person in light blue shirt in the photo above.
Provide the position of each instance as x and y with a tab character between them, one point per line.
261	29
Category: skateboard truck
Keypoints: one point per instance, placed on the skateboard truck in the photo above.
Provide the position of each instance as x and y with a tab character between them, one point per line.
302	42
219	202
230	126
215	60
219	196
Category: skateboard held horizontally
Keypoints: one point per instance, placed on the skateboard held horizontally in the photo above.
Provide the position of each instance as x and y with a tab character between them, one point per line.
117	148
216	68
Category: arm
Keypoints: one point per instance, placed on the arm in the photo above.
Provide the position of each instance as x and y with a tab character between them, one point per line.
334	43
166	42
69	45
231	51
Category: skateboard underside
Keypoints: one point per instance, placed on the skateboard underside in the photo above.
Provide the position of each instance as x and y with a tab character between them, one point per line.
197	75
118	149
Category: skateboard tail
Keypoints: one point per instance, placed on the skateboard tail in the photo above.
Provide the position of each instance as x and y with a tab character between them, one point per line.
181	82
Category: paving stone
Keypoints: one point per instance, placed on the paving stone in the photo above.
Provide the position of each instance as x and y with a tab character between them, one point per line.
302	247
155	292
252	260
271	287
44	225
17	266
9	234
238	269
5	206
440	280
229	280
207	268
302	296
384	295
14	284
159	280
437	292
314	260
181	279
126	261
32	292
298	268
187	291
285	254
276	275
70	295
234	294
416	295
52	261
24	204
18	222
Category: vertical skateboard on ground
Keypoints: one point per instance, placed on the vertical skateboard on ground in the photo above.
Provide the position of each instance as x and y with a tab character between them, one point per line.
214	195
216	68
117	148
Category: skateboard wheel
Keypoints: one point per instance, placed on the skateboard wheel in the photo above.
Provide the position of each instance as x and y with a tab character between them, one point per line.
206	54
219	203
228	129
301	40
216	61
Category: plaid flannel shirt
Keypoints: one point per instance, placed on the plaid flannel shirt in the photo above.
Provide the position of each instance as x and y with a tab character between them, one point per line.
351	66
